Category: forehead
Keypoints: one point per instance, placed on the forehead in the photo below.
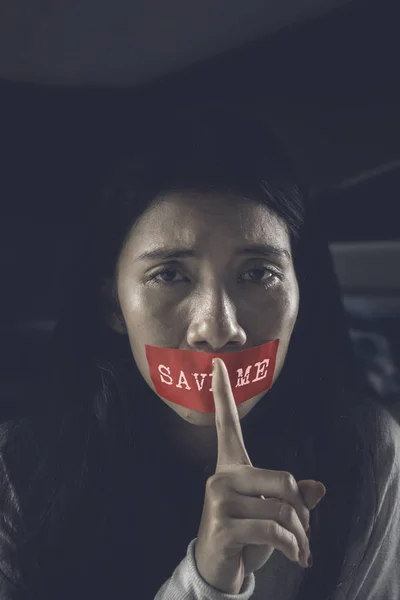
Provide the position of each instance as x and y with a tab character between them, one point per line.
192	218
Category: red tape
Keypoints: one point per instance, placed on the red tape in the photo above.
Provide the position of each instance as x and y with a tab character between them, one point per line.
184	376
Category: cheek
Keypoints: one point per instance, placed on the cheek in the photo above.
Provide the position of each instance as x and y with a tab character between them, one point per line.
290	309
277	313
143	308
137	309
147	321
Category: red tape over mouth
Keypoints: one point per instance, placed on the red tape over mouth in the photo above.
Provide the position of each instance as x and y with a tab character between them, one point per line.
184	376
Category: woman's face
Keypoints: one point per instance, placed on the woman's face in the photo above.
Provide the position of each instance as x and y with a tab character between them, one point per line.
220	294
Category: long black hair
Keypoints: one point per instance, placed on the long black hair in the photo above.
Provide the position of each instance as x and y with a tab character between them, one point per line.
316	424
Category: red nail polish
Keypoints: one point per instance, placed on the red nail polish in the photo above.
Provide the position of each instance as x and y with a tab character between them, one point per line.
310	560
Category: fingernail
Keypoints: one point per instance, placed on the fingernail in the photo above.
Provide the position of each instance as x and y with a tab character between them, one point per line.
310	560
213	364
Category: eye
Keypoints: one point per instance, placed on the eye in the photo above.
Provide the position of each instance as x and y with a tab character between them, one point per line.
160	274
271	274
167	276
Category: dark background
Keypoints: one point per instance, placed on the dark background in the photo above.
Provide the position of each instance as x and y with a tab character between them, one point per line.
329	87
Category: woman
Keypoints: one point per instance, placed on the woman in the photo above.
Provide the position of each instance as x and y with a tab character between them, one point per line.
103	488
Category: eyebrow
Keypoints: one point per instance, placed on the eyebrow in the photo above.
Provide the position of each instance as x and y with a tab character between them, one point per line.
163	253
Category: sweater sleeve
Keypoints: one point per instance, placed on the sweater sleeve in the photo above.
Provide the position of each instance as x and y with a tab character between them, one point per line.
187	584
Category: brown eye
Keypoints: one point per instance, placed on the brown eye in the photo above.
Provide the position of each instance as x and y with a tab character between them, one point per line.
165	276
263	275
260	272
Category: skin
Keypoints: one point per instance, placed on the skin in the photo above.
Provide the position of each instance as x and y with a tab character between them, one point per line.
217	302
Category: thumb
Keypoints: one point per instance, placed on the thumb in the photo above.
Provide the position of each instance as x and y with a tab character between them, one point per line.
312	492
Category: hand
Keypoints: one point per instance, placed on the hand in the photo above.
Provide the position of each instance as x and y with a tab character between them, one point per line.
247	512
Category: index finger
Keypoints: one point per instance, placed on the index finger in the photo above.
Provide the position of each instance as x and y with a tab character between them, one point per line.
231	448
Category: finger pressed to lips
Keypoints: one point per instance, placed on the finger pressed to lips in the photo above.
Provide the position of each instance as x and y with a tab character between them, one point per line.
231	448
232	451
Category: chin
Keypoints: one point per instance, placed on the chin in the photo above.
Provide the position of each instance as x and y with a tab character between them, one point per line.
194	417
198	418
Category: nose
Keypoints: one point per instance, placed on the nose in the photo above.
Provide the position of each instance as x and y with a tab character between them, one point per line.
214	325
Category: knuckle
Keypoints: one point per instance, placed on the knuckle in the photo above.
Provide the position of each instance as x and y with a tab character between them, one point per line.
274	530
216	482
210	483
217	492
291	540
282	535
305	518
287	513
289	482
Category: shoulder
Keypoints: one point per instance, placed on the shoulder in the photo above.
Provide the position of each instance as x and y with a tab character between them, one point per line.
373	553
376	463
387	436
388	460
383	485
380	432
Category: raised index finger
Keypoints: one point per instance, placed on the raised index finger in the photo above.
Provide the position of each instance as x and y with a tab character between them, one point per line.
231	448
